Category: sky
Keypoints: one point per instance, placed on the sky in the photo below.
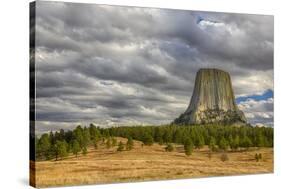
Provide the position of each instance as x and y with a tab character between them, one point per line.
115	66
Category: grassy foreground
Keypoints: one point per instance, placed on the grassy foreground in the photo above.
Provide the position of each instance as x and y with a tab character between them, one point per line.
144	163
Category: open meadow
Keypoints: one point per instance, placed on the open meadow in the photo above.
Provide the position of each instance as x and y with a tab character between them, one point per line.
144	163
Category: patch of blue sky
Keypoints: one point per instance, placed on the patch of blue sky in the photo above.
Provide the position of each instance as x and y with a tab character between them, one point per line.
257	97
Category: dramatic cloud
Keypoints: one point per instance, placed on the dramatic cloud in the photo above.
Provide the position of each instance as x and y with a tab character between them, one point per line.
258	112
113	65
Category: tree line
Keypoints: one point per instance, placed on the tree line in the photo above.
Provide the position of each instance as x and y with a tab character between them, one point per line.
59	144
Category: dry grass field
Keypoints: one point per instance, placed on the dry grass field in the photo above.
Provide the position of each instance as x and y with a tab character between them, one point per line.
147	163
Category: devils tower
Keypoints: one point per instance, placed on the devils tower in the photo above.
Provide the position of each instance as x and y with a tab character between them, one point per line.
212	100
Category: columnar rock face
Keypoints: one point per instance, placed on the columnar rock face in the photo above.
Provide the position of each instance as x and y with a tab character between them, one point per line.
212	100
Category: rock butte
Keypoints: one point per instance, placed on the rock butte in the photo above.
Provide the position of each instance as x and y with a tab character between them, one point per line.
212	101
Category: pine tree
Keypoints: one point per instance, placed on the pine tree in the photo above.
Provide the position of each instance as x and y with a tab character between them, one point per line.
246	142
235	143
114	141
158	135
76	148
223	144
86	137
212	144
260	140
231	142
199	141
167	137
94	133
52	138
147	139
161	142
44	146
61	135
130	144
78	135
188	146
95	143
84	151
61	149
177	138
108	144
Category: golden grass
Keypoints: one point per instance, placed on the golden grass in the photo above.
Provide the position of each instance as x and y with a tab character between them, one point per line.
147	163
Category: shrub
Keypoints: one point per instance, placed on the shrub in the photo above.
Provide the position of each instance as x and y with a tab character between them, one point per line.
258	157
120	147
169	148
224	157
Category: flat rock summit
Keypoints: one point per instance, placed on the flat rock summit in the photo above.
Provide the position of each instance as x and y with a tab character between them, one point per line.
212	101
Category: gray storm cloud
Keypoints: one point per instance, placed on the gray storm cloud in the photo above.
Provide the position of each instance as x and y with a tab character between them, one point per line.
115	65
